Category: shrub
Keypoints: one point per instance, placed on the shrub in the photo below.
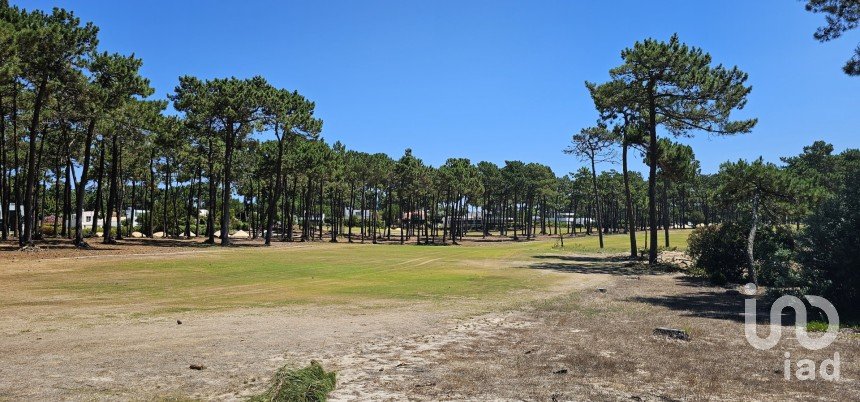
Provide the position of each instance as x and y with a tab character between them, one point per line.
778	269
827	246
720	251
308	384
48	230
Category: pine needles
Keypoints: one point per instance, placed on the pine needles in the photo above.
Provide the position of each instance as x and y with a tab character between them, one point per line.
308	384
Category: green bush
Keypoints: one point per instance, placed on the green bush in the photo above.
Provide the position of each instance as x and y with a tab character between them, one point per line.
48	230
828	245
778	269
309	384
719	250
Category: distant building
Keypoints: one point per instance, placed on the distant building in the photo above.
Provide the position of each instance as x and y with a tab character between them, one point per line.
571	219
358	213
11	212
88	217
136	219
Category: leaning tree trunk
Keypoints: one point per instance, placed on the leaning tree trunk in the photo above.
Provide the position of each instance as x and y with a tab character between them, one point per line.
751	240
29	210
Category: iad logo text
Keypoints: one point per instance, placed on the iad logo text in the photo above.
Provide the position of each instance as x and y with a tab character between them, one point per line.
804	369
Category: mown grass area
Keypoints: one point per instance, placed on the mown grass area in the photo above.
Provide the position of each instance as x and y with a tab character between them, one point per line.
312	273
318	273
620	243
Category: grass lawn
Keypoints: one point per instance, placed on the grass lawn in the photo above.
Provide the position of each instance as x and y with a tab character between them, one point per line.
301	273
620	243
317	272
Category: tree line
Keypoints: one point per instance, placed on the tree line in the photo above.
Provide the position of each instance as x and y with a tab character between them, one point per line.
79	131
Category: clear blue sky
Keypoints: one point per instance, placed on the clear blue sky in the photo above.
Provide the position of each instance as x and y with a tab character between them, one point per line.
489	80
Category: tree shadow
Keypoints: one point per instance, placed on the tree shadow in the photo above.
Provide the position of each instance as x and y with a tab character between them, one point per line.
584	258
704	300
698	297
97	245
609	265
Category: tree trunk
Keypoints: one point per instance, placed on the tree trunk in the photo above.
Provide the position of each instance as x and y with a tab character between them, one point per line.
351	212
751	240
29	210
80	190
631	226
99	181
225	199
273	199
4	193
213	195
666	210
652	174
112	194
151	213
597	204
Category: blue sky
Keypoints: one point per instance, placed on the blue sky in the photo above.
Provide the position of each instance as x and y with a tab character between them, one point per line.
489	80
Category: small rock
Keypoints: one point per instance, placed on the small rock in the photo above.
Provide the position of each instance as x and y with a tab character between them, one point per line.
528	352
601	290
178	322
672	333
197	367
561	370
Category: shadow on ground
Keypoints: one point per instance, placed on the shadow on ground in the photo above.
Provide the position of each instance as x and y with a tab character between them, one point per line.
610	265
698	297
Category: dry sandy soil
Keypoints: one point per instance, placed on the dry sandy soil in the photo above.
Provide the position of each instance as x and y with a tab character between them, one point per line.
572	342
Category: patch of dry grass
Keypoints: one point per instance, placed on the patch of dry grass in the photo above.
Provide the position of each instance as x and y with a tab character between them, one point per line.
599	346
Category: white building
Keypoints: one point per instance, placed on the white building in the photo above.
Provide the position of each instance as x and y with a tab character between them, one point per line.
11	211
88	217
358	213
570	219
136	220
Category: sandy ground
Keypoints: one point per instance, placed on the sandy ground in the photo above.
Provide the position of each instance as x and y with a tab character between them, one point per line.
572	342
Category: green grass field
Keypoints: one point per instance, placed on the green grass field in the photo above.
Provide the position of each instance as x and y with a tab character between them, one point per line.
620	243
302	273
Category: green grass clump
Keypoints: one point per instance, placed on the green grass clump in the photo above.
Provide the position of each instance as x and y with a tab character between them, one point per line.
821	326
308	384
